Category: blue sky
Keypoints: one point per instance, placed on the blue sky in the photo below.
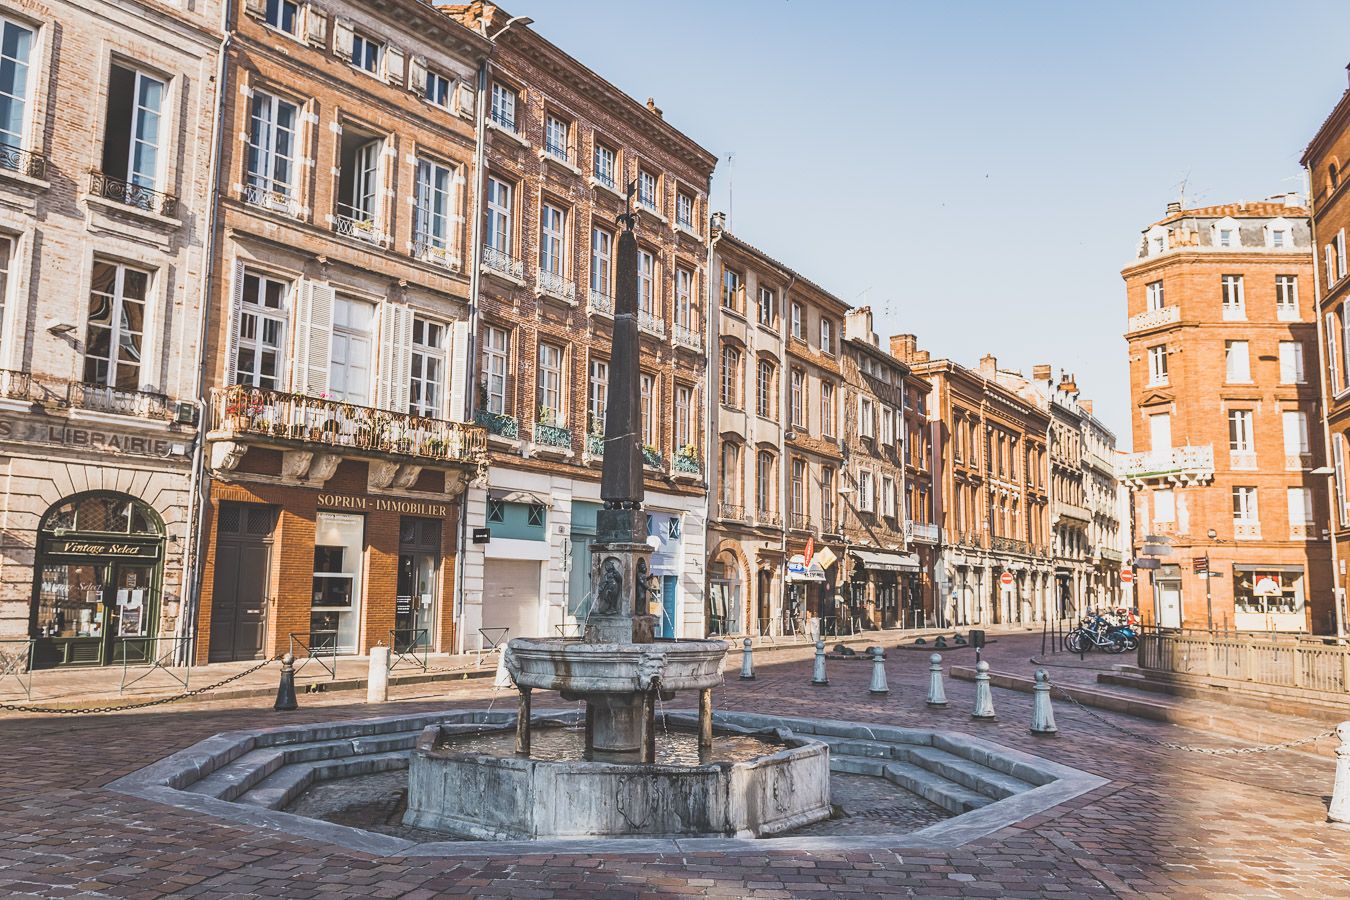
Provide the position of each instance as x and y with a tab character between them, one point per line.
977	172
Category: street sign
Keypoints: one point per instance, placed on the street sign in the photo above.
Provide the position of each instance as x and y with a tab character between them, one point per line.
1006	579
1155	550
810	550
1158	539
1147	563
482	535
1126	576
1200	564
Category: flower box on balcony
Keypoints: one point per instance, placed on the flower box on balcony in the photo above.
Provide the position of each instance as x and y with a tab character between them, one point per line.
653	458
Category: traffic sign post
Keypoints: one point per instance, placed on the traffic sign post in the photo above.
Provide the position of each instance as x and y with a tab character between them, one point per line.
1127	576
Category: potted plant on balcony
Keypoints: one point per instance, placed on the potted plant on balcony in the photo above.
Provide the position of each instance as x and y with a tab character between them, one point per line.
434	447
689	452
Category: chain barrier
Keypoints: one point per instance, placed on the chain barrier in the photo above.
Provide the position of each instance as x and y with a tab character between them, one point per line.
1230	751
99	710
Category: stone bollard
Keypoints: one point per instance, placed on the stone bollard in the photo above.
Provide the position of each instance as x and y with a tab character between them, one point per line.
937	696
1339	811
286	689
984	697
878	685
818	673
747	662
1042	713
377	679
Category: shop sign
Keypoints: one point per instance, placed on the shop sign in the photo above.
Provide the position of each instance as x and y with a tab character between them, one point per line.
384	504
482	535
102	548
84	438
824	558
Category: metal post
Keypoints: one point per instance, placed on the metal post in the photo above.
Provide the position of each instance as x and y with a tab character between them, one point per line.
878	685
1339	810
705	722
818	673
1209	601
937	695
747	662
984	697
523	722
1042	713
286	689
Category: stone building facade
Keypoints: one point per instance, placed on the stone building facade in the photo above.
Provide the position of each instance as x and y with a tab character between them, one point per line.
562	146
1222	336
105	183
338	349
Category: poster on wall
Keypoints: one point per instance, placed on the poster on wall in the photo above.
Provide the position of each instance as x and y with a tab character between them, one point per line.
130	623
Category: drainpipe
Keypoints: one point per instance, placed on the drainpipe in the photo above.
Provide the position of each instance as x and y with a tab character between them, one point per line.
200	486
783	470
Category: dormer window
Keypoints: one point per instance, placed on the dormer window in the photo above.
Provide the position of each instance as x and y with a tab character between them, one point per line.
1157	241
1279	234
1226	235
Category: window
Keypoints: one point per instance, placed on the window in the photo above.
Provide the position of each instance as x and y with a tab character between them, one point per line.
827	420
1160	432
731	473
131	134
1154	292
339	544
1338	464
764	481
438	89
733	290
262	331
764	389
597	396
603	165
427	394
1295	422
534	515
283	15
1278	238
1329	261
1333	378
684	425
1291	362
551	411
1157	364
646	283
1237	362
496	510
6	248
503	112
498	234
271	147
826	336
1164	506
350	351
684	210
887	435
552	231
431	219
557	137
366	52
1240	430
646	189
602	244
866	502
116	326
1227	237
648	395
1244	505
797	323
495	357
1300	507
1340	254
888	496
767	309
866	417
359	177
797	397
16	44
1286	298
684	298
1234	306
731	377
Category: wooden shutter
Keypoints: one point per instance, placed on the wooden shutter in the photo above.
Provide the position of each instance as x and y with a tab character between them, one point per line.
342	38
396	324
1338	461
459	371
465	95
417	75
1333	366
235	314
316	26
393	65
313	336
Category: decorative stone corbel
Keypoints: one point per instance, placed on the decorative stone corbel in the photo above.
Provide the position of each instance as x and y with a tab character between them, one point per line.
323	467
295	464
383	474
456	481
226	455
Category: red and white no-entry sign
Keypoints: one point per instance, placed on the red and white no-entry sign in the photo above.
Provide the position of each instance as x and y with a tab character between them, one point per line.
1006	579
1126	576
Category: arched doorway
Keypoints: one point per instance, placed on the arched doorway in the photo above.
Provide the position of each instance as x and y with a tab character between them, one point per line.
764	600
96	581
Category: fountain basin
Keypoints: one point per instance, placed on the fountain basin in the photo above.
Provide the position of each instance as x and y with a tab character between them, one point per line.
577	668
509	797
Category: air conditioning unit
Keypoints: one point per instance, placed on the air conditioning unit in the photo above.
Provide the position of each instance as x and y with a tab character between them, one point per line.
185	413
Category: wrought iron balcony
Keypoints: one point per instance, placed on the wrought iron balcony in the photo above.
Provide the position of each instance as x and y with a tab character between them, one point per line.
23	162
921	532
651	324
503	263
134	195
830	525
1010	545
605	179
549	435
731	511
685	464
1154	318
272	200
555	285
597	302
653	457
558	152
768	518
437	255
595	445
241	412
503	121
497	423
101	398
16	385
360	226
799	521
1177	465
686	337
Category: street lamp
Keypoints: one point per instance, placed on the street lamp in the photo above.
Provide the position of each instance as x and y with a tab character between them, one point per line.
1209	601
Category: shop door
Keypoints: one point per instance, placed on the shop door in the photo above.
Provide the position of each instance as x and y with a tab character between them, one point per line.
510	599
668	584
239	601
415	594
127	634
1169	604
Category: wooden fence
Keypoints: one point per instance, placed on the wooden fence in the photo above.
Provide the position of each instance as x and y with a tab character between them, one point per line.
1304	664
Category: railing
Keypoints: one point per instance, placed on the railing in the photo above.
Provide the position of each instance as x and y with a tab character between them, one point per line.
549	435
769	518
1302	532
503	263
1187	465
1154	318
504	122
16	661
685	223
274	201
445	257
731	511
359	226
1242	460
23	162
651	324
923	532
1247	530
241	411
15	385
1010	545
555	285
972	539
597	302
829	525
799	521
686	337
595	444
128	194
653	457
684	464
558	152
605	179
100	398
320	646
1072	511
648	203
1283	663
1297	462
497	423
409	646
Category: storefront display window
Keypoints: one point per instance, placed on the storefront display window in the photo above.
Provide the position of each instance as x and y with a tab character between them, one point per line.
339	543
1268	599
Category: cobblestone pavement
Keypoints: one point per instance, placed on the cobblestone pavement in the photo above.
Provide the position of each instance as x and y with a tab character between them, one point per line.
864	804
1169	823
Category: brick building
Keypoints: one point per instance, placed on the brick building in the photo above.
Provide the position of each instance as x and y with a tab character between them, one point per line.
1222	339
920	594
339	338
1325	160
105	171
562	144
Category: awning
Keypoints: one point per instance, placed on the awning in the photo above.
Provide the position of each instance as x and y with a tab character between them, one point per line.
510	495
885	561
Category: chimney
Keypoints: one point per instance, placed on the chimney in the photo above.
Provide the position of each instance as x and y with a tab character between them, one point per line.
921	356
903	346
1174	207
989	365
1086	406
651	105
1040	372
1067	384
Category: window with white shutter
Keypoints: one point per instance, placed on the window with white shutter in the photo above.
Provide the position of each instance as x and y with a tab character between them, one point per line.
396	328
1333	375
1338	461
1291	362
1237	360
1340	253
315	318
1295	423
1329	262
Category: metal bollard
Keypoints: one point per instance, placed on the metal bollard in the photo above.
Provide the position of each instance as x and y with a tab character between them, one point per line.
747	662
1339	811
1042	713
937	696
878	685
377	678
984	697
286	689
818	673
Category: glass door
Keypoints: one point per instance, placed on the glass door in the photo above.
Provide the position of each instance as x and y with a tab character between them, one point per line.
339	544
127	630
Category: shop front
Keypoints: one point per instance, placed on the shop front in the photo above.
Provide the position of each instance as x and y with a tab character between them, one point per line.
879	578
1269	598
664	537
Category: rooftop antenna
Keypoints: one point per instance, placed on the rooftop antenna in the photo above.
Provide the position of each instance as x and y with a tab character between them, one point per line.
731	191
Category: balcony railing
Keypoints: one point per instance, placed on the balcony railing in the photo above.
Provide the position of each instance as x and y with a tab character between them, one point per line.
731	511
1247	530
653	457
555	285
686	337
558	152
972	539
502	121
497	423
548	435
1010	545
16	385
597	302
360	226
922	532
829	525
1154	318
23	162
595	444
272	200
799	521
768	518
1242	460
605	178
100	398
503	263
651	324
684	464
1296	462
128	194
1179	465
445	257
241	411
1302	532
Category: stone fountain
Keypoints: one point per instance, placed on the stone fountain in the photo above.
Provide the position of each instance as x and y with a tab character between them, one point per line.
616	786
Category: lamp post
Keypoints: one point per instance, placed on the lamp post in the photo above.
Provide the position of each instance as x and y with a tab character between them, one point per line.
1209	601
845	491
